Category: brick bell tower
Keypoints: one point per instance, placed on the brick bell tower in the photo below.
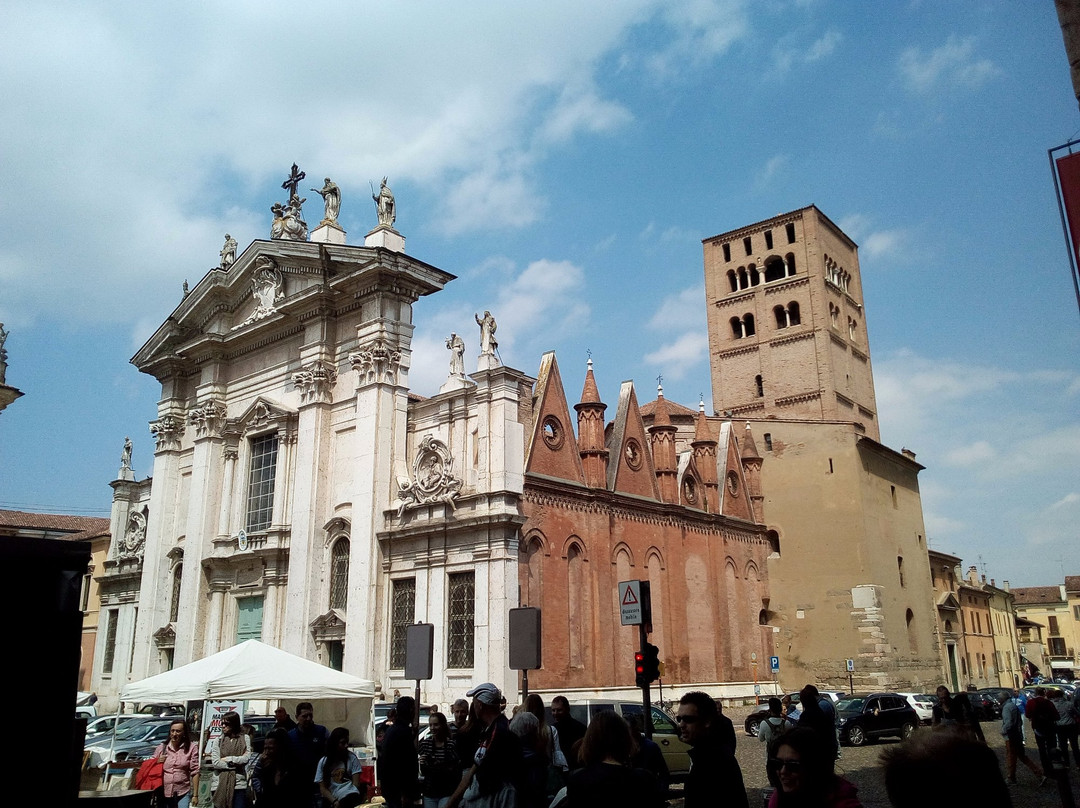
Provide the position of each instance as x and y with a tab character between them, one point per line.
787	326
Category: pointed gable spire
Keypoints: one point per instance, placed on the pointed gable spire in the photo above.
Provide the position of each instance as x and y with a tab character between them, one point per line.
591	445
661	416
665	458
702	433
749	448
552	449
704	447
631	469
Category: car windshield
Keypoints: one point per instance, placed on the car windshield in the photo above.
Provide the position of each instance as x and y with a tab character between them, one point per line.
850	705
929	698
131	730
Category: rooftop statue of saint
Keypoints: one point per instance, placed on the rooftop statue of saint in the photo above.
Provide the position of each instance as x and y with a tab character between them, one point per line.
487	324
125	456
457	354
384	204
228	252
331	195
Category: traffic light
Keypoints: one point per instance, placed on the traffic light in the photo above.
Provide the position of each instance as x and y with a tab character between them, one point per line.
639	669
652	663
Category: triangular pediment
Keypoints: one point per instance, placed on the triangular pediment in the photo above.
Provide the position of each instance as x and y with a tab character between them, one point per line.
329	626
264	413
552	449
630	470
734	493
948	602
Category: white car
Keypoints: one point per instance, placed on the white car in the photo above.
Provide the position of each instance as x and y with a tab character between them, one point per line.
923	704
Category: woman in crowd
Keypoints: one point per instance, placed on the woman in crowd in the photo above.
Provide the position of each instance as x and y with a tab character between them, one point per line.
181	761
229	754
607	777
271	782
800	767
338	773
439	763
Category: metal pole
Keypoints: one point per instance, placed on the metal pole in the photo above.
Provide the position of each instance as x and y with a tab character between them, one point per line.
646	712
524	685
416	716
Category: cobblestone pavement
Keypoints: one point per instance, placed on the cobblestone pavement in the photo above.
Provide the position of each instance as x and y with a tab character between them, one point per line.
860	766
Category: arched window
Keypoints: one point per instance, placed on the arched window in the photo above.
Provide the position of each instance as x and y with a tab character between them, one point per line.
748	326
535	566
755	276
912	635
789	264
743	282
575	606
781	316
736	328
339	574
174	599
775	270
793	313
760	385
733	279
900	569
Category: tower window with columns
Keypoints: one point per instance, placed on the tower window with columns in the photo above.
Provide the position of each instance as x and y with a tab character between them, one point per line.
260	501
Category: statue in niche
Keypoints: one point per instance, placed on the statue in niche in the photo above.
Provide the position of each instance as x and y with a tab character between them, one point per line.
487	324
125	456
432	477
331	195
384	205
228	252
457	354
135	535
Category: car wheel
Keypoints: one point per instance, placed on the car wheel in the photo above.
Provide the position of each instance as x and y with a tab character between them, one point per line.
856	736
752	727
907	731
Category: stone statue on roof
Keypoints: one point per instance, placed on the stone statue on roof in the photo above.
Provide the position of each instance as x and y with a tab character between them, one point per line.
331	195
228	252
384	204
487	324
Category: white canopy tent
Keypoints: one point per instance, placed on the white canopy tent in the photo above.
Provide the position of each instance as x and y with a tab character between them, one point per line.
254	670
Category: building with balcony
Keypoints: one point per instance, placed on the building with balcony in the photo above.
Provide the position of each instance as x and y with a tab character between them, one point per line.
1057	609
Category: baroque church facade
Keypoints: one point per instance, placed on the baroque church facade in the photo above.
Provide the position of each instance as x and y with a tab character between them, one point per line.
302	495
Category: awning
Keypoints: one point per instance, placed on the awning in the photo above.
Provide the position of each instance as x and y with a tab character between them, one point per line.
1062	664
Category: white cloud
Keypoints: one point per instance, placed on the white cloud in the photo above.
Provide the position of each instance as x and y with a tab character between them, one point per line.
976	453
954	64
1069	499
873	243
824	45
676	359
132	132
773	166
680	311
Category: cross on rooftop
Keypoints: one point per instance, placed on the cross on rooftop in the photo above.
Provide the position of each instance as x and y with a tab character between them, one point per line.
293	181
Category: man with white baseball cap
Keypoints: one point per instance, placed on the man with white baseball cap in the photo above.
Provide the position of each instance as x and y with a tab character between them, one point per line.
497	764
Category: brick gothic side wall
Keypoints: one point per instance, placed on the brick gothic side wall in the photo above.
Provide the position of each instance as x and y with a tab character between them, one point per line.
708	574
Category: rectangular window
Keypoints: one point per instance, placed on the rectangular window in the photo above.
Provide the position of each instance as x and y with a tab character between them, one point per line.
747	246
768	239
84	595
727	252
462	616
791	234
260	504
1053	624
402	610
1076	612
110	617
1057	646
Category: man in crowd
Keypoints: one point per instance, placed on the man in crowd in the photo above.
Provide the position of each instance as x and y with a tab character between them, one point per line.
1043	716
399	767
283	720
497	764
814	717
569	728
715	777
1011	727
307	742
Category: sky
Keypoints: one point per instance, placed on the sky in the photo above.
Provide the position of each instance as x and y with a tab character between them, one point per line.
564	160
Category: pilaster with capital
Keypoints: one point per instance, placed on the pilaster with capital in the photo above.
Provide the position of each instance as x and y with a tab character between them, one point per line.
376	362
207	419
315	382
167	431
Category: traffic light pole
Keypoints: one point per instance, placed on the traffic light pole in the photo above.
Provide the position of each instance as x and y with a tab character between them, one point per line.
646	706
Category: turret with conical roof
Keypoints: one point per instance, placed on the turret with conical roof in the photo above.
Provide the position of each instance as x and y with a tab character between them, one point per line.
662	435
594	453
704	447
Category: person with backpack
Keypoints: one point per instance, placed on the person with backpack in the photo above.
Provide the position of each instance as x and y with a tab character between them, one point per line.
773	725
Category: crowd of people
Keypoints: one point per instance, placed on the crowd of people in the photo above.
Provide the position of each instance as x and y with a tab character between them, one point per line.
488	755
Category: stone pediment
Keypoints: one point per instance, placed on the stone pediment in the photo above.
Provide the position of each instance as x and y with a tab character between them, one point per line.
328	627
165	637
265	414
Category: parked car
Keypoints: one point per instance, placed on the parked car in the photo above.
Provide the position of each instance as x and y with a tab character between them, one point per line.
877	715
262	724
160	709
103	724
984	704
665	731
995	695
923	705
750	725
382	711
134	741
86	705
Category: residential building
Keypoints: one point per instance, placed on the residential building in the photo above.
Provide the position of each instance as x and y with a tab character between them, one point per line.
1057	609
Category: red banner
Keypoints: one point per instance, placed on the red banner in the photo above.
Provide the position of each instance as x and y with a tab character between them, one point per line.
1068	168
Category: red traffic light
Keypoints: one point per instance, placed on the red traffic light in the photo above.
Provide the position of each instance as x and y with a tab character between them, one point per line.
639	662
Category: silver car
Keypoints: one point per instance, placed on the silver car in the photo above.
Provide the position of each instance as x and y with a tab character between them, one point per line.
134	741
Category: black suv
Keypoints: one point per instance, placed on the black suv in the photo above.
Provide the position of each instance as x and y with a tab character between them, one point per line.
862	718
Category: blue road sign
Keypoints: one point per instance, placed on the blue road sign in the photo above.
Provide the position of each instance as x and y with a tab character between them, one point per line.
774	664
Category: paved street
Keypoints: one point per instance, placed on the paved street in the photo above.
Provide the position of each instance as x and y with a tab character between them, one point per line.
860	766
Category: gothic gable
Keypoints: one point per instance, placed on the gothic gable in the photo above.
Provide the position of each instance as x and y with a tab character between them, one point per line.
734	493
631	468
552	449
692	492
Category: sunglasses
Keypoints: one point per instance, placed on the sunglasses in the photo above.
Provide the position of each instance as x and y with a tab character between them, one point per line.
686	719
793	766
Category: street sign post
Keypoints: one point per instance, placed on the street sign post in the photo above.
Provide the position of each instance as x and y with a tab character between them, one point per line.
631	612
774	664
850	675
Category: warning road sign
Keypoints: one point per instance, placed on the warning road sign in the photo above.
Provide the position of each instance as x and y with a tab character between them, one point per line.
630	603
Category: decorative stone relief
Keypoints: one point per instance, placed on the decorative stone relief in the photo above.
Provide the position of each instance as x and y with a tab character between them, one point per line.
165	637
267	287
207	419
376	362
316	382
432	477
134	540
167	432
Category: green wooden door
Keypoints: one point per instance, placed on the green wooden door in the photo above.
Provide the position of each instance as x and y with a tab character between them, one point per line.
249	619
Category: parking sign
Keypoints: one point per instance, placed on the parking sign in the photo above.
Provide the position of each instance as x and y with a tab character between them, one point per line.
851	666
774	664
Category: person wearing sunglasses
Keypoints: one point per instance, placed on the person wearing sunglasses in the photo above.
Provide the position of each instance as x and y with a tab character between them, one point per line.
714	777
801	770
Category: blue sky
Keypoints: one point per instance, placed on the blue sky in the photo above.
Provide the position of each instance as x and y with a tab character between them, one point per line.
564	160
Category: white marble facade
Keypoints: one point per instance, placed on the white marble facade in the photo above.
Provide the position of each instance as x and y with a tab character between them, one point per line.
316	370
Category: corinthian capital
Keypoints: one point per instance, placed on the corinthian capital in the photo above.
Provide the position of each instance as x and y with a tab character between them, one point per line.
316	382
